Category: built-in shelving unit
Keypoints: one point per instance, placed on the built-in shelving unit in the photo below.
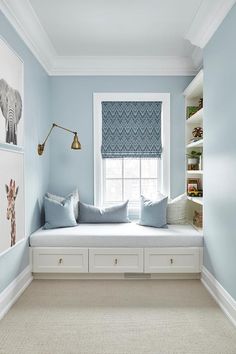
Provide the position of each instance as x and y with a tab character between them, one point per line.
194	172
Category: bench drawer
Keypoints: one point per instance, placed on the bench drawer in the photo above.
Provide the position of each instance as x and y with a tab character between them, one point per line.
172	260
60	260
115	260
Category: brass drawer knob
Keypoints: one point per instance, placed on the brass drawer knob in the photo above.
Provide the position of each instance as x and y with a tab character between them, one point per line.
60	261
116	261
171	261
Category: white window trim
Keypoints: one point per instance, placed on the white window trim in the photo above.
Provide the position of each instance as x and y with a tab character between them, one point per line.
98	98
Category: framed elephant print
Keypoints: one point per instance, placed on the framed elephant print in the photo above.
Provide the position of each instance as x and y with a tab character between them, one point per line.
12	201
11	97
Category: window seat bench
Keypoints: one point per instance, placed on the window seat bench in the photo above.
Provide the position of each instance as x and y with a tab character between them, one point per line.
118	235
117	248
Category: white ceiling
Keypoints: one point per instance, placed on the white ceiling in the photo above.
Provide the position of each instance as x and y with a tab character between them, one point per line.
118	27
117	37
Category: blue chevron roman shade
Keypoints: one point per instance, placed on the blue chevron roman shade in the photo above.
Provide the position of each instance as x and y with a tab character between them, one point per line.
131	129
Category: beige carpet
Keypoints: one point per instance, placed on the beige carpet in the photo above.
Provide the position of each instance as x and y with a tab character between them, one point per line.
116	317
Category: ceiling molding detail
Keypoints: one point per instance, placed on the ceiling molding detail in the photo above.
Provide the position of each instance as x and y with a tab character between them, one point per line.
123	65
26	23
207	20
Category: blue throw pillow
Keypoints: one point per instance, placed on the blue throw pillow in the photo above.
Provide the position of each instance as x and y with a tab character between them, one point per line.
153	212
60	199
59	214
114	214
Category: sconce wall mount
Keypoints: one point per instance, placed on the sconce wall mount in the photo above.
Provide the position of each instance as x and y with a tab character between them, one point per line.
75	144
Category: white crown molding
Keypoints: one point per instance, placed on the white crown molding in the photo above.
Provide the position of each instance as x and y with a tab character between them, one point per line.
210	15
123	65
222	297
26	23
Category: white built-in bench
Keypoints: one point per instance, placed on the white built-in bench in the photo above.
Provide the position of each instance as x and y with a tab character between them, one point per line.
117	248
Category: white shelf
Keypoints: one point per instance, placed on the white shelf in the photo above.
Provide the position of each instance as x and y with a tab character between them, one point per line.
196	118
198	200
195	88
195	172
198	143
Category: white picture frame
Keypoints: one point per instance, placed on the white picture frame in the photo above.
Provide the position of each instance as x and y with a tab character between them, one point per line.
12	199
11	98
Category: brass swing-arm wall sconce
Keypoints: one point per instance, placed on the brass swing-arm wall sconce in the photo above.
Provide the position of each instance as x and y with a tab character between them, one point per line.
75	144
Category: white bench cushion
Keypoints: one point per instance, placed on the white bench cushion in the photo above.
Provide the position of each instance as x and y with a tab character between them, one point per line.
118	235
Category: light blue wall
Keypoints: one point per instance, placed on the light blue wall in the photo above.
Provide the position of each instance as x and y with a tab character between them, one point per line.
220	154
69	101
72	106
36	115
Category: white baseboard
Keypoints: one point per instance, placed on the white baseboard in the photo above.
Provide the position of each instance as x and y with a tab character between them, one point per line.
222	297
9	295
115	276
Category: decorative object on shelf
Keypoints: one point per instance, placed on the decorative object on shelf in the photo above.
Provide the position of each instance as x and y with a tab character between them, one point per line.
200	104
197	219
11	97
197	132
194	160
12	213
75	144
194	187
191	110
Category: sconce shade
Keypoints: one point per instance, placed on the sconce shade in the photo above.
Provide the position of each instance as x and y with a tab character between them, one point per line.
76	144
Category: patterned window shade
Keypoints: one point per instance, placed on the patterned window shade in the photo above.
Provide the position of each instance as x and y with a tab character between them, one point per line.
131	129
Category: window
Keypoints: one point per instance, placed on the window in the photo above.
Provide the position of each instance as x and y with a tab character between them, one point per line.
117	179
129	178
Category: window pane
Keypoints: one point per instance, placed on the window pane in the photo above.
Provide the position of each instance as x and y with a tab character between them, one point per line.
113	168
149	188
113	190
149	168
131	189
131	168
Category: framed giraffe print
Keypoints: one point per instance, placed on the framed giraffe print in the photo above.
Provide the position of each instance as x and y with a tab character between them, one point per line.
11	97
12	203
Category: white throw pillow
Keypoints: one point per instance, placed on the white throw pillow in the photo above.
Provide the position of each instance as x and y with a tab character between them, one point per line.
177	210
